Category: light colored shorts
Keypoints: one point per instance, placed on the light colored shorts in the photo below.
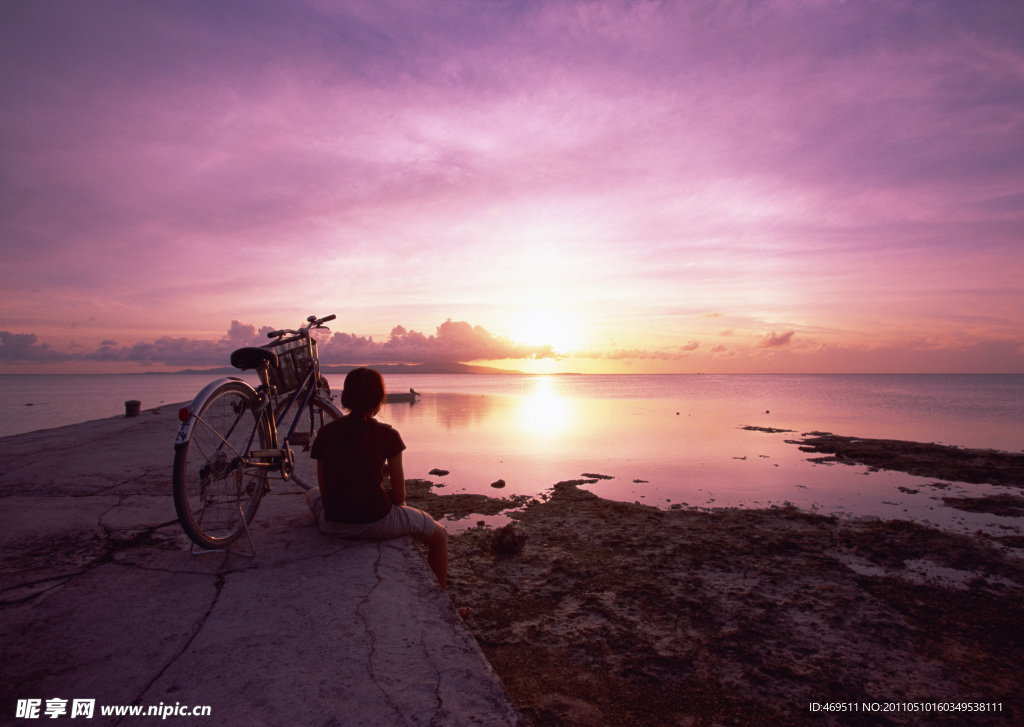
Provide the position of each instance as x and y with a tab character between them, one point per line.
399	521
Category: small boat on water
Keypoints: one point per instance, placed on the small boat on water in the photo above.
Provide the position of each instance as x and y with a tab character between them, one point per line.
400	397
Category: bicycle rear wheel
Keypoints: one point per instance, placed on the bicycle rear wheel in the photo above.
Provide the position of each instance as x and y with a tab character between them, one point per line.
311	419
214	488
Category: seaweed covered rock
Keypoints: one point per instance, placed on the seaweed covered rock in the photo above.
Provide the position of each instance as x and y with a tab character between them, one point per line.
507	540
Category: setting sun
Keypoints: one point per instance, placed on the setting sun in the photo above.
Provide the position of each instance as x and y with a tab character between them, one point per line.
549	327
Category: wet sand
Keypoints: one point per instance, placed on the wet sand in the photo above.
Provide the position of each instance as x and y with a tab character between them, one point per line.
602	613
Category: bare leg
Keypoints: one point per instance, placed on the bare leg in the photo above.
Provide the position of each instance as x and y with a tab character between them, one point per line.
437	553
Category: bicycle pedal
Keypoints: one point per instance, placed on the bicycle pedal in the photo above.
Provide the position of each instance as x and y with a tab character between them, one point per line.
267	453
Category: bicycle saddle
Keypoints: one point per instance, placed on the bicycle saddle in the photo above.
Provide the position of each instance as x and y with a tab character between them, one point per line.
251	357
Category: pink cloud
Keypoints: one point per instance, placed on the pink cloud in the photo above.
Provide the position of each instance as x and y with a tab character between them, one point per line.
454	341
24	347
673	354
774	340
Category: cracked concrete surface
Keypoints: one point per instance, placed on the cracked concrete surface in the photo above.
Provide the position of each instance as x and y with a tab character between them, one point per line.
100	599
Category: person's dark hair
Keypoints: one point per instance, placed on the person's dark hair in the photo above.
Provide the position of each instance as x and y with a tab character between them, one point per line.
363	392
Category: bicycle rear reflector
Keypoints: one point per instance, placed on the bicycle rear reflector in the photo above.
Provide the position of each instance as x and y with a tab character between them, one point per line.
184	413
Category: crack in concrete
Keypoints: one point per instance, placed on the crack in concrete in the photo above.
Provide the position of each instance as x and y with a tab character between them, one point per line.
439	710
370	633
99	520
58	582
196	630
112	544
134	479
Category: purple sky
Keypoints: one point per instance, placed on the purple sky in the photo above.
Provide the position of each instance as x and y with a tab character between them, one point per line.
801	185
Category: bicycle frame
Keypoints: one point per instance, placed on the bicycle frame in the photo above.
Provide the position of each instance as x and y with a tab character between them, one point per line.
307	388
279	446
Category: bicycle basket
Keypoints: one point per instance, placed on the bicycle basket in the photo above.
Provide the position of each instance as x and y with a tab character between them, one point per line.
294	360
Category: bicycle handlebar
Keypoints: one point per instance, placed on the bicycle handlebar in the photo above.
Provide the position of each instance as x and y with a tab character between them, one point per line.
312	322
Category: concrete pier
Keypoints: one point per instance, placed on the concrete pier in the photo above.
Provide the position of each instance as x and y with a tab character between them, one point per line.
101	601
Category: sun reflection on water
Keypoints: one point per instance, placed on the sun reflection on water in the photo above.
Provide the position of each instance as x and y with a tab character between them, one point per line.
544	413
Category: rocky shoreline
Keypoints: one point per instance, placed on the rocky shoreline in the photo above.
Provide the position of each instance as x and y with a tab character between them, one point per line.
975	466
596	612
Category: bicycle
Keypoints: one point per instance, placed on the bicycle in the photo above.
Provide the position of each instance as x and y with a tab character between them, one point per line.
233	438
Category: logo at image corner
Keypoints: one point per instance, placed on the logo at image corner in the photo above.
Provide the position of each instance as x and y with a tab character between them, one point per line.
53	708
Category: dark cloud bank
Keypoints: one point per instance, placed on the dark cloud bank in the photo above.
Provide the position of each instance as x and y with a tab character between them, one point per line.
454	341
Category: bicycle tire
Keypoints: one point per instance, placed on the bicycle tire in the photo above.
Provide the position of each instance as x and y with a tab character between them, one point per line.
319	412
210	483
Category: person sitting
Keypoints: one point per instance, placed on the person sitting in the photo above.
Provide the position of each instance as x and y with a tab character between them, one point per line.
351	452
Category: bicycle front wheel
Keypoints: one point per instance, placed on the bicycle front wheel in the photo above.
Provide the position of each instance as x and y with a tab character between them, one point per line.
216	487
311	419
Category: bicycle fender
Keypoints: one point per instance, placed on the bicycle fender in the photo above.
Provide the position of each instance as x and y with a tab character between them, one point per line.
185	428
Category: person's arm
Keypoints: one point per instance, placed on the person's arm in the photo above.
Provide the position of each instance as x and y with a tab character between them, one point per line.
320	476
397	479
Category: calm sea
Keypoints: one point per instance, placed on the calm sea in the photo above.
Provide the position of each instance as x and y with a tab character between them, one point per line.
663	440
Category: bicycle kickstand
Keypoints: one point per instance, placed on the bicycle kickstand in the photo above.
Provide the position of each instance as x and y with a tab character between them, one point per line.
229	551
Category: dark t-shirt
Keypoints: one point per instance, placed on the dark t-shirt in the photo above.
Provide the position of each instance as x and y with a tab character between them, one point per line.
353	451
